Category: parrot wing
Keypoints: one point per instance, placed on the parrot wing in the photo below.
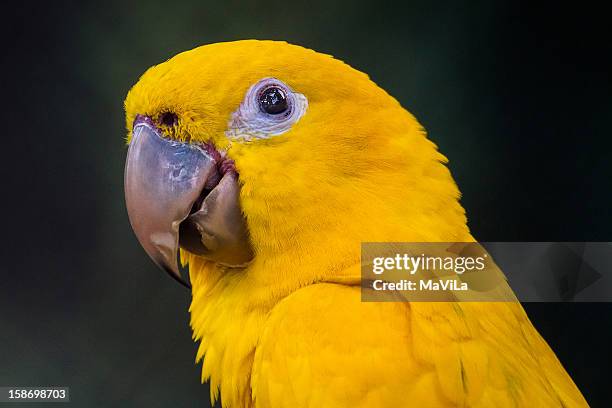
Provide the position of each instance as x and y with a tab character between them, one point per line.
323	347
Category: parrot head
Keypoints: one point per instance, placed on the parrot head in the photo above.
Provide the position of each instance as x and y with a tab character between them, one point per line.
243	152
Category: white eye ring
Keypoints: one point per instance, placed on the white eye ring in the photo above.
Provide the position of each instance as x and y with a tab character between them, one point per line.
250	121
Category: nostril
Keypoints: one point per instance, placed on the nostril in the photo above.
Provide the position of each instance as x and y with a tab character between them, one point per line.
168	119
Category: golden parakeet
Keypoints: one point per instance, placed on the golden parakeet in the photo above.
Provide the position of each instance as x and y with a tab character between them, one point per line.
268	164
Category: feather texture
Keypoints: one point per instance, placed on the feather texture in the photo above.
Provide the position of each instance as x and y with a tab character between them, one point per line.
290	330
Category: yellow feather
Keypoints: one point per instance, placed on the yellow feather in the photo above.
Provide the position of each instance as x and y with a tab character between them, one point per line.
290	329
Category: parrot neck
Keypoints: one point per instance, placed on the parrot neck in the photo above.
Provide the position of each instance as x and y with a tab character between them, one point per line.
230	308
312	235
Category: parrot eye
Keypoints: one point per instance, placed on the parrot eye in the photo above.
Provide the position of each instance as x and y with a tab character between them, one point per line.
270	108
273	100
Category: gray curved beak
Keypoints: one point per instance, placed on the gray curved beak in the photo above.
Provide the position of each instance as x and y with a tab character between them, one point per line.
168	182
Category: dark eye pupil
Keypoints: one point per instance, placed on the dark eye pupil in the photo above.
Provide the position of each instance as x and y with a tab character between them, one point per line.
273	101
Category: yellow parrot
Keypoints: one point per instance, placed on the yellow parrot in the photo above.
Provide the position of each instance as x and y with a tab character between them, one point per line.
264	165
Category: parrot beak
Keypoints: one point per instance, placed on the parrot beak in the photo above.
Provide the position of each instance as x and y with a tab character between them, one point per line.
176	194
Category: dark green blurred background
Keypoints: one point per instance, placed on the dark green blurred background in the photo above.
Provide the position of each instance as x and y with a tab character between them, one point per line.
517	97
